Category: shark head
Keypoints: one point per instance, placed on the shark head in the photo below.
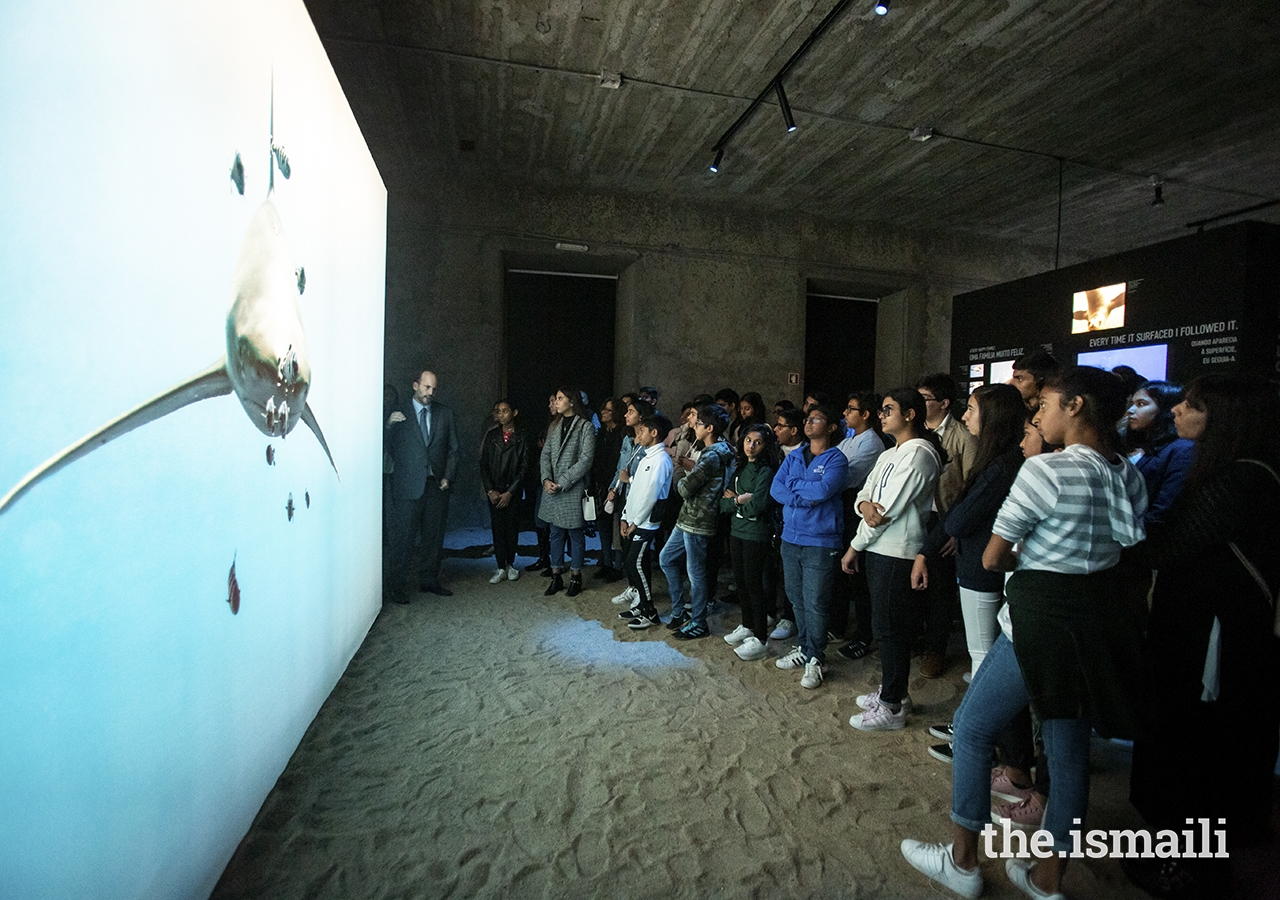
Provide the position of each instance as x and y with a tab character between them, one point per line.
266	349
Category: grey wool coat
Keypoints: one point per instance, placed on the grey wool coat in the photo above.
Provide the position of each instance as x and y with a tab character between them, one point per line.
568	466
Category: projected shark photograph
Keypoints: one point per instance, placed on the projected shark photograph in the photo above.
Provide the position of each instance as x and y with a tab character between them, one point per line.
266	363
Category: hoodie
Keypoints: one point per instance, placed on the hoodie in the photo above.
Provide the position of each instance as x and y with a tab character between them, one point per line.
902	482
809	487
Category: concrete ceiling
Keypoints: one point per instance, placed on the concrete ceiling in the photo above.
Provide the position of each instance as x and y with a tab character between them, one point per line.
510	90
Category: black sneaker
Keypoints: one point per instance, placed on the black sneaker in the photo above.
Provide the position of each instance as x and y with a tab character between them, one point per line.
692	631
628	614
857	650
942	732
678	622
942	752
644	620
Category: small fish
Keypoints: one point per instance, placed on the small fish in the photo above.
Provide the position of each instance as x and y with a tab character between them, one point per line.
233	588
289	507
307	497
271	455
237	175
301	272
281	160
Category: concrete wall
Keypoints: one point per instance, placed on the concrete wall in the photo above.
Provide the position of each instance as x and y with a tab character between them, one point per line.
707	298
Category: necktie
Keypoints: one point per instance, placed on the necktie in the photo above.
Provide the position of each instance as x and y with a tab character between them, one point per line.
426	426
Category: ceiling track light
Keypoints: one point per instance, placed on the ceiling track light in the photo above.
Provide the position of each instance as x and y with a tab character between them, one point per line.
881	8
786	107
921	133
715	166
1157	185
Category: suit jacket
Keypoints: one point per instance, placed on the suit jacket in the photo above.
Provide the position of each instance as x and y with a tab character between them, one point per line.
411	454
961	449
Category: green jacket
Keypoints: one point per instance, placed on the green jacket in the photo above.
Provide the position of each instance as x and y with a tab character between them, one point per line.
751	521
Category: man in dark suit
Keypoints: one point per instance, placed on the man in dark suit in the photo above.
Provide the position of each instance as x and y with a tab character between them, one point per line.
424	447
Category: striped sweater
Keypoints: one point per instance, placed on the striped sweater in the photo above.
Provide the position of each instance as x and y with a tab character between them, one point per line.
1073	511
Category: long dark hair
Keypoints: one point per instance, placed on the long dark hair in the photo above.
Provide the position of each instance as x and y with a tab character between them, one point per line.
1103	394
1242	421
1001	417
1166	395
757	407
770	456
908	398
576	406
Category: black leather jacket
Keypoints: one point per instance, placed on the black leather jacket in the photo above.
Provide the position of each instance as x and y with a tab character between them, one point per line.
503	466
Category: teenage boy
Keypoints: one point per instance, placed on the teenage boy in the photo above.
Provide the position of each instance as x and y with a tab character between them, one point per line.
862	448
642	516
686	549
788	428
808	485
1029	374
942	597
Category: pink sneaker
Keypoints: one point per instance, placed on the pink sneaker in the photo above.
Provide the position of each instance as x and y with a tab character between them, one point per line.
1027	815
1005	789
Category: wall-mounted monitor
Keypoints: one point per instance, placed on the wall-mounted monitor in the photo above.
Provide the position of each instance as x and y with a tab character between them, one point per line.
1098	309
1151	361
1001	371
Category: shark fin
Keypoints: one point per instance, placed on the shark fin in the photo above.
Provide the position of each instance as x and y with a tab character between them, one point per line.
310	418
212	382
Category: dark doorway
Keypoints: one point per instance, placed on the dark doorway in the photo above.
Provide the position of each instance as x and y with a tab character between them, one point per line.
839	344
559	331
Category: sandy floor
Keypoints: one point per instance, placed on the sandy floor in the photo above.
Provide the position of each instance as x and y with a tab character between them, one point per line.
498	743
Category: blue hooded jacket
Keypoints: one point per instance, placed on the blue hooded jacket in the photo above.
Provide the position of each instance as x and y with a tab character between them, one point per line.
809	488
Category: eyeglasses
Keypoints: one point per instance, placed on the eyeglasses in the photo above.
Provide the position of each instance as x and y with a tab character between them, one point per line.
856	409
928	399
887	411
815	420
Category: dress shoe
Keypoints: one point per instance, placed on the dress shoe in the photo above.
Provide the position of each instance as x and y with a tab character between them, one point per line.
556	585
575	586
933	665
438	589
542	563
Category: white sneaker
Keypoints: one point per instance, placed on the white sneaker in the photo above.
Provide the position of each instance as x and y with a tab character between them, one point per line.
628	597
879	717
793	660
1019	872
737	636
866	701
498	576
812	674
751	648
783	630
935	861
512	573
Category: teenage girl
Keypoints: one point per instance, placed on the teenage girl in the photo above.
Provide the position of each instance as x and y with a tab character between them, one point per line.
894	505
750	536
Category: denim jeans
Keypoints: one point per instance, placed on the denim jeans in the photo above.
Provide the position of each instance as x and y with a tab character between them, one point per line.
686	552
995	696
577	547
893	619
810	574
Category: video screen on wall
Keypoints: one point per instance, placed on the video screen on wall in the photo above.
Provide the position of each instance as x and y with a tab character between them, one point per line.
1151	361
1001	372
1098	309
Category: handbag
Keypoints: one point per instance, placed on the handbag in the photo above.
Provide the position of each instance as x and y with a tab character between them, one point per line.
588	506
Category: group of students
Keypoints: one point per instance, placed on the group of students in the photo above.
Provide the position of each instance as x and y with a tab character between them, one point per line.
1121	528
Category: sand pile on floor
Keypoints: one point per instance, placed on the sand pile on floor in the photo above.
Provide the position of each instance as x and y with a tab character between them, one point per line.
498	743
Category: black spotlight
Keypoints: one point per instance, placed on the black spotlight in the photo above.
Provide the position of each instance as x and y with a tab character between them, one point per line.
715	166
786	107
881	7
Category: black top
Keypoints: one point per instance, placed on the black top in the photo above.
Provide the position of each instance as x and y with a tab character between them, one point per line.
970	520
